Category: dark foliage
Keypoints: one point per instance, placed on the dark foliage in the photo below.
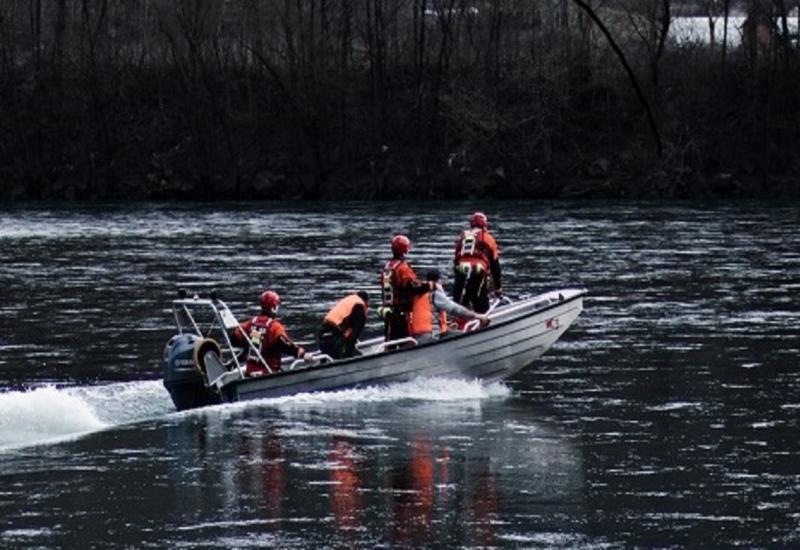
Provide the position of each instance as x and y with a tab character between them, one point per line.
253	99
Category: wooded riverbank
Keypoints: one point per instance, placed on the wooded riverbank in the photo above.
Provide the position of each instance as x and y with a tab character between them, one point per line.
388	99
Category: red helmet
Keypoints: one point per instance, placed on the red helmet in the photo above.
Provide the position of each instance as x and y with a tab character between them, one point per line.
270	301
400	245
479	219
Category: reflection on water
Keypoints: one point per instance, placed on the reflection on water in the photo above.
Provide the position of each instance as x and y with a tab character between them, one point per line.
345	486
360	480
412	484
667	416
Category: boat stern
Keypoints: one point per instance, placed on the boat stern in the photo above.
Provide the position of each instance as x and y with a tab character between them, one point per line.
183	378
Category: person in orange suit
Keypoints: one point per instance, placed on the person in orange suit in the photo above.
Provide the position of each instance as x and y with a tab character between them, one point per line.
399	287
476	257
269	337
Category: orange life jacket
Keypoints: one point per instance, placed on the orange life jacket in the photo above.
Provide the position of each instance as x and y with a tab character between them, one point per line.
443	324
476	247
422	317
342	311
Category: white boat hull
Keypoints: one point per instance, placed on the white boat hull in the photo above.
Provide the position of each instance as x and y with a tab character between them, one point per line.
510	344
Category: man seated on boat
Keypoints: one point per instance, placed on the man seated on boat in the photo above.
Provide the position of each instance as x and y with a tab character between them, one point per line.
476	257
433	307
342	326
399	286
269	337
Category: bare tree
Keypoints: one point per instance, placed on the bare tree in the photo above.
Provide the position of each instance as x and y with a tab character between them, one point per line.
628	70
726	10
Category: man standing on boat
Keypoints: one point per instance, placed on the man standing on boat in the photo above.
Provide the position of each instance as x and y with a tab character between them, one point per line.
399	286
476	257
269	337
342	326
431	309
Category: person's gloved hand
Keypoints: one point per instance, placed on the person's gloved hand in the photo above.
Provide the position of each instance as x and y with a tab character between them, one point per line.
384	312
498	292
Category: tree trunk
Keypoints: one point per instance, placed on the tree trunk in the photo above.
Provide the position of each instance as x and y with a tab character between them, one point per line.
60	42
621	56
663	31
725	16
785	41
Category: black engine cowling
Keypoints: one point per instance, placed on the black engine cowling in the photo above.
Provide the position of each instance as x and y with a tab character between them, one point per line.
182	376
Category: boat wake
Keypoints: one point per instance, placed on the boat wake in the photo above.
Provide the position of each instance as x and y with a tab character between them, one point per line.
50	414
420	389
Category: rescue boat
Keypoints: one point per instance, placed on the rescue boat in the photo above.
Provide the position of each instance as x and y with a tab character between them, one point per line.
202	366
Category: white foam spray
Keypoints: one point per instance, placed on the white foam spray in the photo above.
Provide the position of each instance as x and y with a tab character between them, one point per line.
48	413
421	389
43	414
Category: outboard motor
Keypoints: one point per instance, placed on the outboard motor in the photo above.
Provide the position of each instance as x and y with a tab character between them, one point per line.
182	375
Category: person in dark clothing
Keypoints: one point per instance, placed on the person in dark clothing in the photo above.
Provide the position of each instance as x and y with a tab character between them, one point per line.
342	326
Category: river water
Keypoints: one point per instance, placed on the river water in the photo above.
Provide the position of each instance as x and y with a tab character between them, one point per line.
667	416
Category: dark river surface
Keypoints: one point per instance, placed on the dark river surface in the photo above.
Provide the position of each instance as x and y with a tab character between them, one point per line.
667	416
